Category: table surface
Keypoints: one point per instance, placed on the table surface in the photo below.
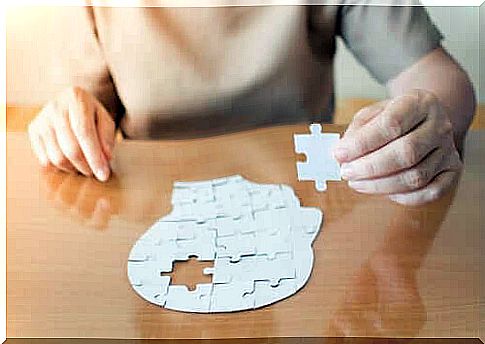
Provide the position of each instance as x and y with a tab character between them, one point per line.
381	270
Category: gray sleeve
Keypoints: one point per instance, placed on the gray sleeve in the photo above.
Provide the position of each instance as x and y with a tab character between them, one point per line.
387	39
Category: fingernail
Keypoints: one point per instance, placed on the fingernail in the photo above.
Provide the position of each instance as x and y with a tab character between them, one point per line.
396	198
340	153
346	171
102	174
355	184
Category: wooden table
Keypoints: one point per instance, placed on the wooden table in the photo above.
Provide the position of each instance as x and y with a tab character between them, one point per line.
381	270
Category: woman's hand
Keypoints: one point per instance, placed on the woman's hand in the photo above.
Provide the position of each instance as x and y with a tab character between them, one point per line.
403	147
74	133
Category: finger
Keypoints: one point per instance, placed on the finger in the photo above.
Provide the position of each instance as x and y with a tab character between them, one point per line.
398	155
399	116
441	185
38	146
364	116
69	145
82	119
54	152
106	130
405	181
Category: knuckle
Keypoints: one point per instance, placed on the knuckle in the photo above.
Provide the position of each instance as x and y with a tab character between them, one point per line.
50	112
360	114
110	122
361	143
74	153
446	129
457	163
51	106
416	178
84	129
409	100
59	160
428	98
390	126
409	154
370	169
53	118
76	92
453	160
406	97
40	127
429	104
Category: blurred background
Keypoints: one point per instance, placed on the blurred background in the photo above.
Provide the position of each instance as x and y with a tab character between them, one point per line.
462	27
464	37
459	25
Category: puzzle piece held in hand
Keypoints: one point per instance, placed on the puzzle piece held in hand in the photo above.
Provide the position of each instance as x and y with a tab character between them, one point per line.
320	165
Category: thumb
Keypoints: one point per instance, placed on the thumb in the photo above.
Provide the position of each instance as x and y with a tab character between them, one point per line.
106	130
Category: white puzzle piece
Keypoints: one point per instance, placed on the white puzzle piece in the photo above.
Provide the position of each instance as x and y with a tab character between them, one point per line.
235	246
237	296
258	236
155	293
253	268
273	243
266	294
180	298
320	165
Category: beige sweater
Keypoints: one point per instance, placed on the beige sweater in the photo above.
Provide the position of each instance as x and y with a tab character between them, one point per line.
191	71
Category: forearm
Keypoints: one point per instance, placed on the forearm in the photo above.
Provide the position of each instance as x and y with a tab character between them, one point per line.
440	74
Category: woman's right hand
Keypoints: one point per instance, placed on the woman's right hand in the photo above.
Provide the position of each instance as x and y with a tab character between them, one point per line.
74	133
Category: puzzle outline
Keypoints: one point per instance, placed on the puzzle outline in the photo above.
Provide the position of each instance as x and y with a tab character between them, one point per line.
301	237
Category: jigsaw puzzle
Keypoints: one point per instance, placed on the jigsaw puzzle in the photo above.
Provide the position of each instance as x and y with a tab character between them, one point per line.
320	165
258	236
